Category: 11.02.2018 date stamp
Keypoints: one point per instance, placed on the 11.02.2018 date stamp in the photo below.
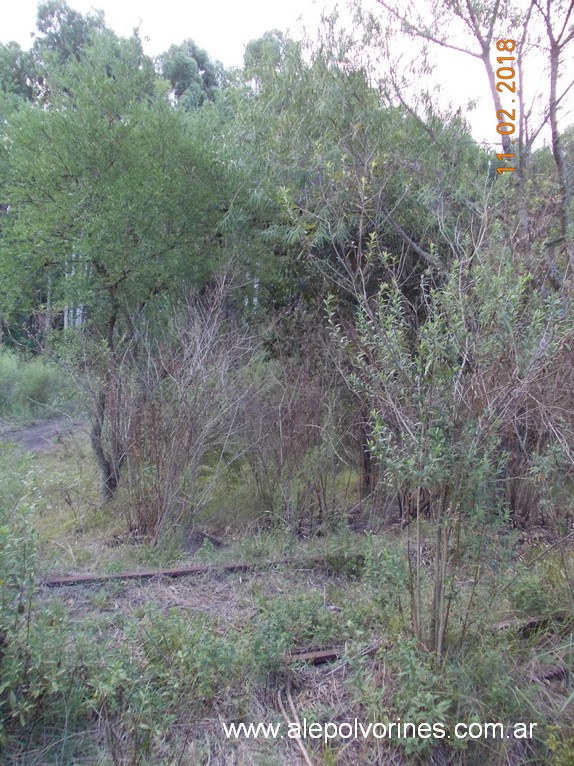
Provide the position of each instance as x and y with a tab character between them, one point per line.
506	77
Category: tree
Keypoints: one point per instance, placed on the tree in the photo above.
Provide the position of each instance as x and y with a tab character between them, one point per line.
16	71
341	175
63	31
483	23
115	202
193	76
347	190
264	54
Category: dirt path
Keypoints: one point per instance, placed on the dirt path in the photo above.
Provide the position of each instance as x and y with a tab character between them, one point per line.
38	437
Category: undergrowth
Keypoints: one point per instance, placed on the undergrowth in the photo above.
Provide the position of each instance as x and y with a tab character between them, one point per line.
110	682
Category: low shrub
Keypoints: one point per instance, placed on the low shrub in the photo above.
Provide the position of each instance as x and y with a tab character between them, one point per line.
541	588
302	622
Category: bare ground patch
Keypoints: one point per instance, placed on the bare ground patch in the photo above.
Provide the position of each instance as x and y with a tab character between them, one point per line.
42	436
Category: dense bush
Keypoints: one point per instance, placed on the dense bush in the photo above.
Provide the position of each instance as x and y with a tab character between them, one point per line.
465	405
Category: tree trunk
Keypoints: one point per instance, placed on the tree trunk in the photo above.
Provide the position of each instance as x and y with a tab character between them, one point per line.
109	467
559	158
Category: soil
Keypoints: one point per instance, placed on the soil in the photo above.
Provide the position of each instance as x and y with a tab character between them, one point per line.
38	437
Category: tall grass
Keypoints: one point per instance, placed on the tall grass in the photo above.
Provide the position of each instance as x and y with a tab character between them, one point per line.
32	387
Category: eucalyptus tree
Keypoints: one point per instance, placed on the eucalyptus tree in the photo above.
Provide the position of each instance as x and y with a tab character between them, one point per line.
61	34
63	31
16	71
194	77
265	53
115	199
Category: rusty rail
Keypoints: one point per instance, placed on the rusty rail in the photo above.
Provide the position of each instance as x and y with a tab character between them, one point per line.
191	569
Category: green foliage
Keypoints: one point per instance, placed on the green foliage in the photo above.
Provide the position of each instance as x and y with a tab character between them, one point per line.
418	693
186	658
444	394
33	667
287	624
421	696
541	588
57	674
64	31
16	68
265	54
561	746
142	676
344	174
17	569
485	677
307	621
32	387
193	76
38	680
424	377
115	203
340	558
386	573
124	183
116	212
